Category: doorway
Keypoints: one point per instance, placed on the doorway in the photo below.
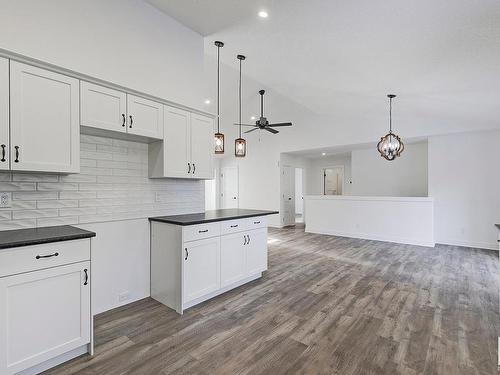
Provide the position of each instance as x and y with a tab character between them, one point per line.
288	195
333	180
229	187
299	195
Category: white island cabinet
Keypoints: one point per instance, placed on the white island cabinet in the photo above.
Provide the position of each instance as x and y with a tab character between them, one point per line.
45	316
196	257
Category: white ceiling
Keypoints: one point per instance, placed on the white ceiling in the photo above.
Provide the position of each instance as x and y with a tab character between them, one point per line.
339	57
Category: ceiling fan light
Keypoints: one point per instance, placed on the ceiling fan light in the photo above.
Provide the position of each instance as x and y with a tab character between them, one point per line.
240	147
219	143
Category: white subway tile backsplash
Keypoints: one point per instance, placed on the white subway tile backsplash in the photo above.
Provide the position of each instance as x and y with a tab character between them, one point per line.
113	185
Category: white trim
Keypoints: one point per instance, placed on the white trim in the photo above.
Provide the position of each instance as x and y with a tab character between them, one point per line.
53	362
365	198
472	244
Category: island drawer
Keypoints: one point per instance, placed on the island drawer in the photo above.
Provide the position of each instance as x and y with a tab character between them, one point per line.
35	257
200	231
233	226
256	222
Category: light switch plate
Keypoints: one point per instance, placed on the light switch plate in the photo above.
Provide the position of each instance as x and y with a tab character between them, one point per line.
5	199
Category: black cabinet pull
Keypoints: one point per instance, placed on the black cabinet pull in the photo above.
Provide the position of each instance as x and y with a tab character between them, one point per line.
203	231
245	237
131	121
256	222
248	243
234	226
3	152
189	168
124	119
17	154
187	254
194	168
86	277
47	256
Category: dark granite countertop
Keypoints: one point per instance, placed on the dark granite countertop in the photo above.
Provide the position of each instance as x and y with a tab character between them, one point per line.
211	216
36	236
497	225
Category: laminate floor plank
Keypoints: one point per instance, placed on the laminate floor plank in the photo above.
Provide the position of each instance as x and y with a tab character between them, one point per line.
327	305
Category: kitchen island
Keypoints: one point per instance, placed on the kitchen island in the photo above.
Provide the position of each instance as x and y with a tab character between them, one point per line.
195	257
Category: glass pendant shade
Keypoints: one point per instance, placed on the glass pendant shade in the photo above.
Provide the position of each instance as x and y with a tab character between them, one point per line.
240	147
219	143
390	145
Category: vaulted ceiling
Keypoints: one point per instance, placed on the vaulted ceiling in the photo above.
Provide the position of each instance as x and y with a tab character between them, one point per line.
337	57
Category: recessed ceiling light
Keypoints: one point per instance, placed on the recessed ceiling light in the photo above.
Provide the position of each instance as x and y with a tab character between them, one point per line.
263	14
252	118
323	153
207	101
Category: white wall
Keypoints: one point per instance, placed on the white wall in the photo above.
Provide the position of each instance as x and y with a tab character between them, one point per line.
464	179
406	176
127	42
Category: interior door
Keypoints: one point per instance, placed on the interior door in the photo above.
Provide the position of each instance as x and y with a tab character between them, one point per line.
229	177
256	251
4	114
288	195
44	120
201	272
202	146
333	181
232	249
102	107
176	143
43	314
145	117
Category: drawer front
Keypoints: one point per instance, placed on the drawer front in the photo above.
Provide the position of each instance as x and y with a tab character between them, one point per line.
30	258
256	222
233	226
200	231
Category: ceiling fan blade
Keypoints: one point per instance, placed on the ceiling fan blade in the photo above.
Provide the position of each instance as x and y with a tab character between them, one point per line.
251	130
281	124
271	130
244	124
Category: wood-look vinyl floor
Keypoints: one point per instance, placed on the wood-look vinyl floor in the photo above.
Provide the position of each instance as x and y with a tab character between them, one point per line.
327	305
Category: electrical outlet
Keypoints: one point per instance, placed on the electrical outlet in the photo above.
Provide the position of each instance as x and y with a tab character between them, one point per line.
157	197
123	296
5	200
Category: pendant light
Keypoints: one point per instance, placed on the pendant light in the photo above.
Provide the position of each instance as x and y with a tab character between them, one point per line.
240	145
219	137
390	146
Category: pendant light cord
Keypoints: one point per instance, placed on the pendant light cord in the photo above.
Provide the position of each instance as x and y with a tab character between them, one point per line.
390	115
218	90
240	97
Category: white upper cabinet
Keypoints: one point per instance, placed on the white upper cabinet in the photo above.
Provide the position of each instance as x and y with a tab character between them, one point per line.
102	107
145	117
44	116
187	147
4	114
202	147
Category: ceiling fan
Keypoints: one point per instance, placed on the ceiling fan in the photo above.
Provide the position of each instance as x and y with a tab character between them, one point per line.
262	122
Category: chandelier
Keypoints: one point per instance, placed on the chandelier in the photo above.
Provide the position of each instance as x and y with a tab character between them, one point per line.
390	146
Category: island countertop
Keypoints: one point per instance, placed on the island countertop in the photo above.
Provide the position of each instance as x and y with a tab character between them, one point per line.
211	216
36	236
497	225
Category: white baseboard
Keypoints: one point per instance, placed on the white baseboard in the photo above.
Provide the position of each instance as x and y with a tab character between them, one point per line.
473	244
55	361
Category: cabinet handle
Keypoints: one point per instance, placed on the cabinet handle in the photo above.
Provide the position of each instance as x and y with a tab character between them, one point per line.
189	168
17	154
187	254
124	119
3	153
245	237
203	231
131	121
86	277
47	256
234	226
248	243
256	222
194	168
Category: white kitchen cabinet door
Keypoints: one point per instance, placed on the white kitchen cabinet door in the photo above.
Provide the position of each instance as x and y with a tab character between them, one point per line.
256	251
232	256
201	271
202	146
145	117
176	143
4	114
103	108
43	314
44	120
